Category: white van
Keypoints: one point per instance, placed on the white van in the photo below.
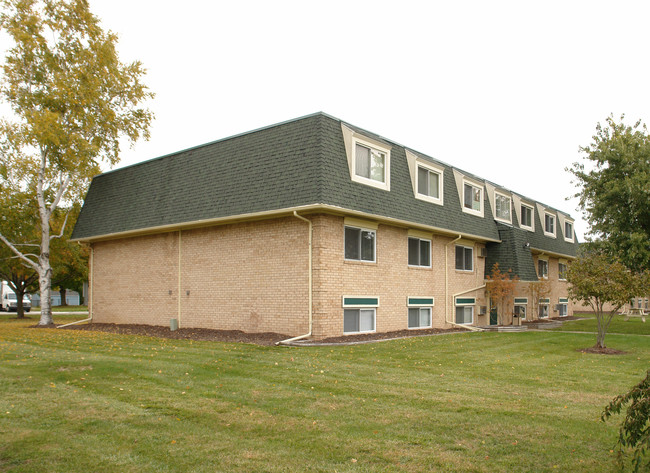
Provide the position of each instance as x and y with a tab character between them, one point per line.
8	301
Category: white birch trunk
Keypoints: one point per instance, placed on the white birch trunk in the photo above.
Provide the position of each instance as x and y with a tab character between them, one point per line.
44	268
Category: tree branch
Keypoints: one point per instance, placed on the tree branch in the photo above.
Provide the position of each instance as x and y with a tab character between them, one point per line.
52	237
59	194
23	257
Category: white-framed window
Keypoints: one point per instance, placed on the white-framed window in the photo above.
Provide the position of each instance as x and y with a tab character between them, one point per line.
503	204
464	258
520	311
465	310
358	320
371	164
429	183
472	198
359	313
419	317
542	269
549	225
419	311
527	217
419	252
521	304
360	244
563	307
568	231
544	308
562	268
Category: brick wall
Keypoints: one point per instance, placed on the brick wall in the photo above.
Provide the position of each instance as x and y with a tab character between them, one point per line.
253	276
247	276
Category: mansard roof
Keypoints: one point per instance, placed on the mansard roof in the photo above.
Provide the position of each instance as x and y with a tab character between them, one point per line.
300	164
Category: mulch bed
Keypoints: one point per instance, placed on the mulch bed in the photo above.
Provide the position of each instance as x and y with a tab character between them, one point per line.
202	334
602	351
366	337
238	336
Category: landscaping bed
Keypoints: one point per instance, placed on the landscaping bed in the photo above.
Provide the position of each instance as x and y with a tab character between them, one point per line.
237	336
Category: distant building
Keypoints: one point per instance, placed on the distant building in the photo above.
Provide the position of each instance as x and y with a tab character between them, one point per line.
71	297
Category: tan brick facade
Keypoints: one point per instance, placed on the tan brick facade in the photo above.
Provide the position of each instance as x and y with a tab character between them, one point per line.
253	276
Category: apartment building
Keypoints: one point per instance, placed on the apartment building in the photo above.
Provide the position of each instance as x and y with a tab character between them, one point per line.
316	227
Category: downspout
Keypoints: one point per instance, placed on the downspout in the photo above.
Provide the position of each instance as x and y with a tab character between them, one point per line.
311	316
470	327
447	279
179	278
90	293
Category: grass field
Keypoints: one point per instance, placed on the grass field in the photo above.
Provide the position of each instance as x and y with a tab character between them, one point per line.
480	402
618	325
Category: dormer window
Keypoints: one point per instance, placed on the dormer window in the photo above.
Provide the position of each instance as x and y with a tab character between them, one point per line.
568	231
503	205
428	182
427	178
368	159
527	213
472	198
549	225
370	163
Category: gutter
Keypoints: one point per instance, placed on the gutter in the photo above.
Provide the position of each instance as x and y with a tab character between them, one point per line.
311	310
470	327
90	295
447	278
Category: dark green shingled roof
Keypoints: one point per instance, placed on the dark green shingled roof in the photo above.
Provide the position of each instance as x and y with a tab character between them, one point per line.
512	253
296	163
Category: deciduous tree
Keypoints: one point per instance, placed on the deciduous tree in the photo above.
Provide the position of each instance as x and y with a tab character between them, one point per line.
634	433
614	193
605	285
72	101
500	286
16	206
538	290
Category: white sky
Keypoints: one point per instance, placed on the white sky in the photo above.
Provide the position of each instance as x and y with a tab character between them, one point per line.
507	90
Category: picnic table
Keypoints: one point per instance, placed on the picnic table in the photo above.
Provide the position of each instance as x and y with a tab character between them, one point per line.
635	313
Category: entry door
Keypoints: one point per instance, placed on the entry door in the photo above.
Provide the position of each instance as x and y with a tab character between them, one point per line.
494	316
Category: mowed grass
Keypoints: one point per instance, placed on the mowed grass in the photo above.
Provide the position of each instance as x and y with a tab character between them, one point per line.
618	324
79	401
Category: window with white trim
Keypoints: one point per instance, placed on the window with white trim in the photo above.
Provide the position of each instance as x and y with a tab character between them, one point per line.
359	244
503	204
549	225
465	315
543	308
568	231
371	164
419	317
419	311
472	198
419	252
521	303
429	184
542	269
563	307
358	320
527	215
562	268
464	258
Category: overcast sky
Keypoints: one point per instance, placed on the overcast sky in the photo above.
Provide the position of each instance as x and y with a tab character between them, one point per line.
507	90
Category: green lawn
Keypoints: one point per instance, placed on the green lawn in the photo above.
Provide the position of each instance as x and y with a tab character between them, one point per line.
78	401
618	325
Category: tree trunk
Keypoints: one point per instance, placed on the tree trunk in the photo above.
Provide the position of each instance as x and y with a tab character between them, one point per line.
62	291
20	310
46	297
